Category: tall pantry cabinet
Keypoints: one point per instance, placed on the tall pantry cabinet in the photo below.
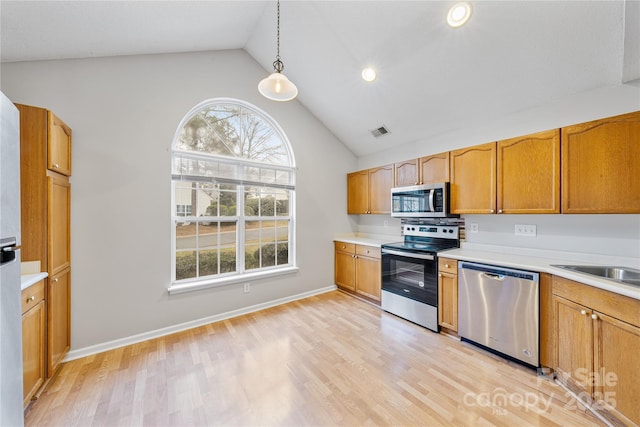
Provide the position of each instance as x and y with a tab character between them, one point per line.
45	168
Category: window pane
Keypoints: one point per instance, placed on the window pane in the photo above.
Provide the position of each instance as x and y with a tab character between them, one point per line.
282	202
185	198
185	265
208	262
282	253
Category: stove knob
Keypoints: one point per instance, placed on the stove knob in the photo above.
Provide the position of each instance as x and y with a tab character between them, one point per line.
450	231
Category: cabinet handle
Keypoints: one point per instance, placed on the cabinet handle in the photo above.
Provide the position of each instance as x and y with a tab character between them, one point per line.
583	312
55	280
31	298
344	247
56	165
499	210
492	211
439	274
446	266
594	316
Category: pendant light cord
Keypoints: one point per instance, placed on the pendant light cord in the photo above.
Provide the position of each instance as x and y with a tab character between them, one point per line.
277	64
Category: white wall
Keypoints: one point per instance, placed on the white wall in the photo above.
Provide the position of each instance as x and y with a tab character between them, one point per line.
615	235
124	112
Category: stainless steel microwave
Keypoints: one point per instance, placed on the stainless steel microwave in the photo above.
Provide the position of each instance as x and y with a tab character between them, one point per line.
421	201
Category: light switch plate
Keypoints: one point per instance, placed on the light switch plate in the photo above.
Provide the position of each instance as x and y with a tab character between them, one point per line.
473	227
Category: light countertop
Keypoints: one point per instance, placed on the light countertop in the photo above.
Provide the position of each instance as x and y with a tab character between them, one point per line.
515	258
524	259
31	279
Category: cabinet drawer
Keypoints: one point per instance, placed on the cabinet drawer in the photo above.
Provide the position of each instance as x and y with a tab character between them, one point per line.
447	265
345	247
32	296
370	251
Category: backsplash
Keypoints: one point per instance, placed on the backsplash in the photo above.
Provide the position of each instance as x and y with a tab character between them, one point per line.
613	235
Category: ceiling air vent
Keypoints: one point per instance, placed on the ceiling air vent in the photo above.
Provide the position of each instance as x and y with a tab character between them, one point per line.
381	131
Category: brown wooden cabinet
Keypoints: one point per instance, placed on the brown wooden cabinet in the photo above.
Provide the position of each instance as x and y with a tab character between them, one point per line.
406	173
357	269
33	340
598	337
448	294
59	145
45	166
434	168
528	176
58	319
473	180
369	191
601	166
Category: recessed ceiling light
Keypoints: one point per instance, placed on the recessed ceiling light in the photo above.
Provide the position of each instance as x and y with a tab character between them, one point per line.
369	74
459	14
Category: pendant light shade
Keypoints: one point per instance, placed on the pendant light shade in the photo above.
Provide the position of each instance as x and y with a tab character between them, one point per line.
277	86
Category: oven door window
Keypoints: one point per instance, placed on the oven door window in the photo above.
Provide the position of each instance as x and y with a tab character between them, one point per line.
411	278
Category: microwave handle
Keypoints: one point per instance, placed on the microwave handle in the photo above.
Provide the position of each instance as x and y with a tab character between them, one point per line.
431	196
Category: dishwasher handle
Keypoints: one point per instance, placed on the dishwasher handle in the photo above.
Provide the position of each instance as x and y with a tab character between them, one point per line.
493	276
491	271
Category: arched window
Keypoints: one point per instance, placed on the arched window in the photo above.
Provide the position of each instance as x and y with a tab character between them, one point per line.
232	193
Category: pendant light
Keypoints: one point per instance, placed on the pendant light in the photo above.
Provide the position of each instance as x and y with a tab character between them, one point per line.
277	86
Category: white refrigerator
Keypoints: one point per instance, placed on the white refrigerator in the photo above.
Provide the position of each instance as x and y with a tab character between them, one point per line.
11	410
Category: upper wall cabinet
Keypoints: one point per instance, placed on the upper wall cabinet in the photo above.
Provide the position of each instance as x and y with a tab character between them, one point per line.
58	145
529	174
601	166
369	191
406	173
428	169
473	179
434	168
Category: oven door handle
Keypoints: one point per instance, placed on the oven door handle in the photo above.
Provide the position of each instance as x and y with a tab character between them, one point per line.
408	254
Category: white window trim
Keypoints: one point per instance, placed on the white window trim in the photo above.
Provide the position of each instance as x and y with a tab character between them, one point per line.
177	287
211	282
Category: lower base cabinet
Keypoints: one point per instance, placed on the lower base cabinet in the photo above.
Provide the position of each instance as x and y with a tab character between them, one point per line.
598	340
448	294
33	340
58	319
357	269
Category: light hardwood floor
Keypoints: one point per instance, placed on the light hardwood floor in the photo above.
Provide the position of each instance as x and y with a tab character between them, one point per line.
324	361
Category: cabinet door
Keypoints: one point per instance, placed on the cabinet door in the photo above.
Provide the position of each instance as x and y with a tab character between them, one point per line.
380	184
617	369
473	179
345	270
434	168
575	344
448	301
406	173
368	277
33	350
58	145
59	223
600	167
529	174
358	193
59	319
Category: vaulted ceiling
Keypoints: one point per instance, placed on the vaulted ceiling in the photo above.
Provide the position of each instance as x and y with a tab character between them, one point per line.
432	79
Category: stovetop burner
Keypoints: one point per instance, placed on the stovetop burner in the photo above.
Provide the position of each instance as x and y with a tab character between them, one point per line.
429	238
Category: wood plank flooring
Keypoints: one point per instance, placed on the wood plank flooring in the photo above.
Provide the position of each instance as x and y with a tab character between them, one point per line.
327	360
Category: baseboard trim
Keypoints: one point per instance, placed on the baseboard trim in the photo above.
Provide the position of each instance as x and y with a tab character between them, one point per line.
133	339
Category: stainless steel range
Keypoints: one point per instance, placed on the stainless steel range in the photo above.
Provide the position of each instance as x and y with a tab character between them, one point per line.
410	272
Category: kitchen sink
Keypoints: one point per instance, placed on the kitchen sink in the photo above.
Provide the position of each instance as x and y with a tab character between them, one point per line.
627	275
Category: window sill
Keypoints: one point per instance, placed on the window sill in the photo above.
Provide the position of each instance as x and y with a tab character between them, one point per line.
244	278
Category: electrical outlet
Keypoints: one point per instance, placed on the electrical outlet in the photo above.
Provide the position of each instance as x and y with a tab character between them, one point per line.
247	288
473	228
528	230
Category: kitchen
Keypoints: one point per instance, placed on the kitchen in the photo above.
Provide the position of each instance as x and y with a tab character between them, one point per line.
123	128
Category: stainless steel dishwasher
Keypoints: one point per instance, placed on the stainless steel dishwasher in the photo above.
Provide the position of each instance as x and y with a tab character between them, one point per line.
498	308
